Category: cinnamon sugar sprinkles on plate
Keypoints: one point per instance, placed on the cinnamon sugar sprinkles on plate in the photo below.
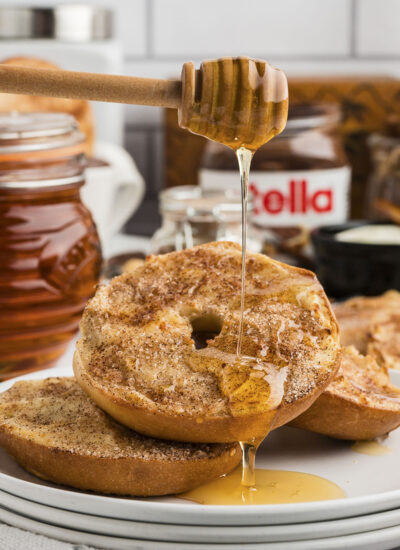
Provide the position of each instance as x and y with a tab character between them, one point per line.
158	345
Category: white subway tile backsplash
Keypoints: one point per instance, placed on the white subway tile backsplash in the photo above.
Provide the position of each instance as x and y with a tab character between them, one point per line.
156	67
130	25
316	28
377	31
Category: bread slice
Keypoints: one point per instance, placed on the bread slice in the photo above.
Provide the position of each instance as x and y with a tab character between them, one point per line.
55	431
359	316
158	345
360	403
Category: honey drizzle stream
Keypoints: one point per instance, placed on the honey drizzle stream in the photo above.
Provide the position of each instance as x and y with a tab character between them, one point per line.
241	103
244	157
248	464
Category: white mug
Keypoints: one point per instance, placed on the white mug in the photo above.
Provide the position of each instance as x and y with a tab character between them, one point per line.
112	193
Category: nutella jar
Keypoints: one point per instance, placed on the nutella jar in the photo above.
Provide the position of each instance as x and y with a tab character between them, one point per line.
49	248
301	178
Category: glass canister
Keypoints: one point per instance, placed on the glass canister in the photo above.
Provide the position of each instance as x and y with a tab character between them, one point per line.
50	256
193	216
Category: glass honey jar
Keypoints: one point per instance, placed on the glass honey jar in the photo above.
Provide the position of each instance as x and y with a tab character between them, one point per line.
50	255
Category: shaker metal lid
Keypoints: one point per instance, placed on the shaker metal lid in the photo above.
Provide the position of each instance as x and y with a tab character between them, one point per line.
67	22
201	204
29	132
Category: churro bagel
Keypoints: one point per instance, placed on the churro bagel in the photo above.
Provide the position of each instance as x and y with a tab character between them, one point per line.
55	431
360	403
384	341
359	316
158	345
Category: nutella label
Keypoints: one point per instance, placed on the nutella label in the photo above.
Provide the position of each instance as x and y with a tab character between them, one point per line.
309	198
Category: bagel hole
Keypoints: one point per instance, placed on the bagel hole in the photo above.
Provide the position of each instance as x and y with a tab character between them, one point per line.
205	327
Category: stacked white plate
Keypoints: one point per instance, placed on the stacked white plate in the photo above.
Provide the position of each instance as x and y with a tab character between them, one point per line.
368	519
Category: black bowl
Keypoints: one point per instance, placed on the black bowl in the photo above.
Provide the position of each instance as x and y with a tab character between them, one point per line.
347	269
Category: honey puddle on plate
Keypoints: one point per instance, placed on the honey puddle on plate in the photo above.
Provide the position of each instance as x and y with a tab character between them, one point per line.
272	487
372	447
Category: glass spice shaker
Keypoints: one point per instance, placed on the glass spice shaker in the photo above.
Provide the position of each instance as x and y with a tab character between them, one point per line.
50	254
192	216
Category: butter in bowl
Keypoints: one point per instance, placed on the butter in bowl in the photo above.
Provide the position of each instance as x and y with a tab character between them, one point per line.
357	257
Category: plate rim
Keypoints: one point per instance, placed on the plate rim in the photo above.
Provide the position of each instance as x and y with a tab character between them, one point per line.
346	541
383	520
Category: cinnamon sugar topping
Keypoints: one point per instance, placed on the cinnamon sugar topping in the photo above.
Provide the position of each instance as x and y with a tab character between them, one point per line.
56	413
136	334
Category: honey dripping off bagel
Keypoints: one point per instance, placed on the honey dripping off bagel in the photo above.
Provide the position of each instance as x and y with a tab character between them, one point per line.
243	121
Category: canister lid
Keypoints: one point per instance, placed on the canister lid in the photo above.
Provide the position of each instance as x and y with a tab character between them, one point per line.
67	22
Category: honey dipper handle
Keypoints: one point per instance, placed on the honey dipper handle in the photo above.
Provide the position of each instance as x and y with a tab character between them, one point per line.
92	86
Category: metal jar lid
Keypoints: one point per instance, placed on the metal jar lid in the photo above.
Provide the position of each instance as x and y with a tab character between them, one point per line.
67	22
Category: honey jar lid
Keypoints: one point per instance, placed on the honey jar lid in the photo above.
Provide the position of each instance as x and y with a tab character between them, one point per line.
32	136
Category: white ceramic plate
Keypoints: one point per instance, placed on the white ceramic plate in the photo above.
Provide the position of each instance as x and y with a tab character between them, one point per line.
199	533
382	539
372	483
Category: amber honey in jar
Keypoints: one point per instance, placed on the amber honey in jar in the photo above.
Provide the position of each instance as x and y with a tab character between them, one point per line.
301	178
49	249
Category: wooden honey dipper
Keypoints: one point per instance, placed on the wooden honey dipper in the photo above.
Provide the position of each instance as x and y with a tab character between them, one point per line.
241	102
